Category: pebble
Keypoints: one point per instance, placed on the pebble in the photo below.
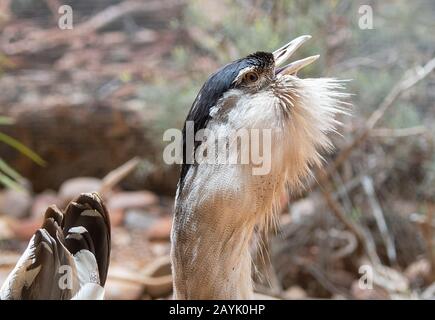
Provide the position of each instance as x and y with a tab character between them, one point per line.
134	199
139	219
15	204
71	188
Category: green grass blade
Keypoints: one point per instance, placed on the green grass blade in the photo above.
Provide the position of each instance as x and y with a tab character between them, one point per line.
22	148
6	120
8	170
9	183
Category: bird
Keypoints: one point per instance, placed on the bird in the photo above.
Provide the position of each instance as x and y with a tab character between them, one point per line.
67	258
219	206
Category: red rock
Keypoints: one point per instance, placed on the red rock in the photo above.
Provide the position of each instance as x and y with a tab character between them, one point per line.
134	199
25	229
116	217
5	229
375	293
161	230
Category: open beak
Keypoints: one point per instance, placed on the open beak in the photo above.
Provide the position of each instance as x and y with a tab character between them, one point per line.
284	53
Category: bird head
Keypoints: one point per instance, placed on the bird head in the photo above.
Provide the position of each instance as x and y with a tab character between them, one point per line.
219	205
260	91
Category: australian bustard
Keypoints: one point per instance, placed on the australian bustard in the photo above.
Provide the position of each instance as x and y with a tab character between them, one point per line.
218	206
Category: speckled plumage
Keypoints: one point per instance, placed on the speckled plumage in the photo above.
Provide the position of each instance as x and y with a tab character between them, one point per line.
218	206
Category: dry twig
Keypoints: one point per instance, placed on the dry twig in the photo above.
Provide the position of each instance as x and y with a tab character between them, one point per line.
47	39
367	184
53	5
398	133
412	77
116	176
363	240
428	233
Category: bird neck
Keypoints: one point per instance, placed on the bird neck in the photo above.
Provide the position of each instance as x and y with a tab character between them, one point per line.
210	256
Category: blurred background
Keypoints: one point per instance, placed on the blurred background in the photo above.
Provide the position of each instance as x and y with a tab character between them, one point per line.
85	109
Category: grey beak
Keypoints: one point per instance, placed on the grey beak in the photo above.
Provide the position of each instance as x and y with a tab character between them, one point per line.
284	53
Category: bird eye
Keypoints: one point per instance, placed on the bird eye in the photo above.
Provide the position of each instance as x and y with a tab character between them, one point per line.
251	76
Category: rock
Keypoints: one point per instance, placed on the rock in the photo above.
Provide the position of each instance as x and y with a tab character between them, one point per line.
418	273
5	230
8	259
285	219
15	203
261	296
159	249
116	217
154	281
25	229
375	293
4	272
302	208
295	292
161	230
128	200
71	188
159	275
116	289
429	292
86	139
139	219
42	201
